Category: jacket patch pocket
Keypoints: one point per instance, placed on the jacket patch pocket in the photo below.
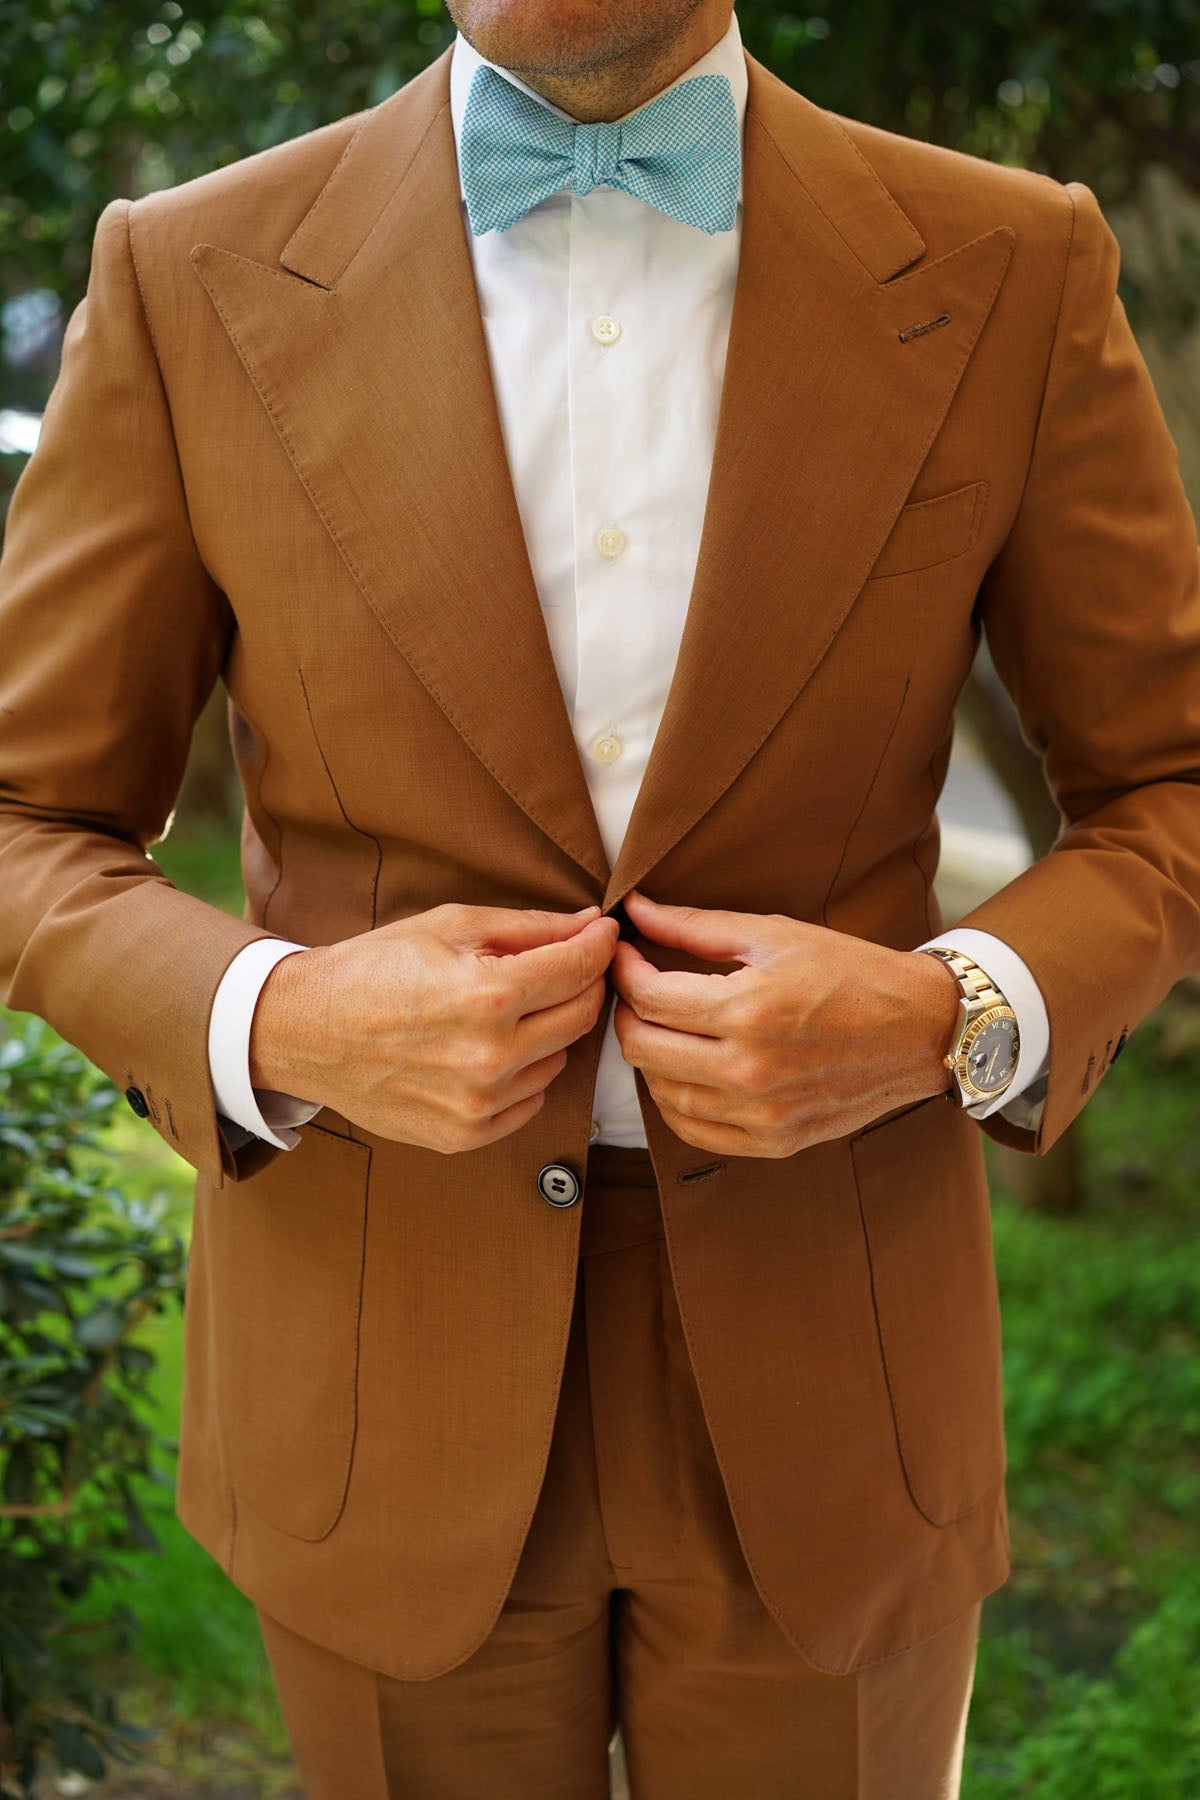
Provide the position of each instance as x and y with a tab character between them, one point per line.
286	1253
932	531
923	1199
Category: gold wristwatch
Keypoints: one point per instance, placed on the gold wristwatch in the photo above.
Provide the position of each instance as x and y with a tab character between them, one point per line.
983	1052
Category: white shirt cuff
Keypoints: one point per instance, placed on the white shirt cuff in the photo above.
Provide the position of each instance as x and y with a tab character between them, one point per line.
261	1112
1012	976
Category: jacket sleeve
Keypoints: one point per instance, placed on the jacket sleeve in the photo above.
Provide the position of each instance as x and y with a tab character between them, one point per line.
112	635
1092	613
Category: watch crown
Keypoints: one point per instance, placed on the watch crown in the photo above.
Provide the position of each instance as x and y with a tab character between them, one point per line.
948	1062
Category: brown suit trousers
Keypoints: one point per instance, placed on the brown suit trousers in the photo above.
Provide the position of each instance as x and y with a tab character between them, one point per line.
631	1603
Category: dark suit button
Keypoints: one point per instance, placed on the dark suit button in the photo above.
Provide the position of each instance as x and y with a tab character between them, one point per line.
137	1100
558	1184
1120	1045
625	925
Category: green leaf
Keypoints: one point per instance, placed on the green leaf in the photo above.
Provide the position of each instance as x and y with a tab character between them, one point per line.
74	1752
53	1416
23	1255
139	1530
74	1583
100	1328
18	1476
38	1293
66	1264
13	1138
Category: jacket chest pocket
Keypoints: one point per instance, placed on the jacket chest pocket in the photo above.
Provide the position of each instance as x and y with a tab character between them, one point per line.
285	1251
933	531
923	1198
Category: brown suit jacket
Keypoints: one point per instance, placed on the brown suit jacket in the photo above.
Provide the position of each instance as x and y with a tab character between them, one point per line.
274	456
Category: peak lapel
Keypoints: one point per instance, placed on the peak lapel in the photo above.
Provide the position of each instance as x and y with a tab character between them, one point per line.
826	417
368	351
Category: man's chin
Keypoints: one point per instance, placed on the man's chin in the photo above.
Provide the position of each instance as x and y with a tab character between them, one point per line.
559	38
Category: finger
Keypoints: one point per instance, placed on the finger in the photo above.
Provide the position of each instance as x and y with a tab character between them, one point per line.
511	1118
509	928
531	1079
715	1106
551	973
718	936
553	1028
708	1134
695	1100
680	998
662	1050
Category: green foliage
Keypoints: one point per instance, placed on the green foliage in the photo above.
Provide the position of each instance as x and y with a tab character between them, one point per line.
1094	93
1087	1681
81	1265
1134	1734
1141	1400
105	97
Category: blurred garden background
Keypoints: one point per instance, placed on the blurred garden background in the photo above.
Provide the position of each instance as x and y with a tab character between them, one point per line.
1088	1683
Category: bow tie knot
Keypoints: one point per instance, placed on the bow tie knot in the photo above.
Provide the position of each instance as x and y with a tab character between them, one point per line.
681	153
597	152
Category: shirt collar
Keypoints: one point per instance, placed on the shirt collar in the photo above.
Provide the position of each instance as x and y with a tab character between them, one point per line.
725	58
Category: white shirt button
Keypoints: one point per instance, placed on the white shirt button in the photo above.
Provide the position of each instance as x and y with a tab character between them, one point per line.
610	540
595	1131
607	748
605	330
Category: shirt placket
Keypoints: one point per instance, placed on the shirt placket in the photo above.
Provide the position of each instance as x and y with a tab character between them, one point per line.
610	382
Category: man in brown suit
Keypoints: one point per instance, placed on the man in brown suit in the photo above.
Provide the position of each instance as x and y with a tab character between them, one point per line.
512	1426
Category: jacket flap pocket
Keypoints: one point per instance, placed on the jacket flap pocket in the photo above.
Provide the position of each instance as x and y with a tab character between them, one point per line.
923	1197
932	531
286	1266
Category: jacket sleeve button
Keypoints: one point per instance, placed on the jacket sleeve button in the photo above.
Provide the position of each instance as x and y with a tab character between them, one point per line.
137	1100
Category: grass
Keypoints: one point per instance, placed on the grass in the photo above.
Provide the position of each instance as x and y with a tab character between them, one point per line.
1086	1684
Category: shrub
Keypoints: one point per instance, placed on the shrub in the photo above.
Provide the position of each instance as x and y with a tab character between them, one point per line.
81	1265
1132	1734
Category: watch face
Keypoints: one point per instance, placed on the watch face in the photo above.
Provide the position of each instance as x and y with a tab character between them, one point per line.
991	1058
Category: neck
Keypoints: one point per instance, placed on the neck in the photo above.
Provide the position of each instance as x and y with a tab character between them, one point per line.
627	82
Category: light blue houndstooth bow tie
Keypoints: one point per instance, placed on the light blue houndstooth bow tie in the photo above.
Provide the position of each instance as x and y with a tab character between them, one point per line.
680	152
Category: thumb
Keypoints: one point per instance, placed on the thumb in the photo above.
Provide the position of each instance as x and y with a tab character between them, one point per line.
716	935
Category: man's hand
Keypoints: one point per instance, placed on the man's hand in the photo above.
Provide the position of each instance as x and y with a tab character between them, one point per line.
443	1029
818	1034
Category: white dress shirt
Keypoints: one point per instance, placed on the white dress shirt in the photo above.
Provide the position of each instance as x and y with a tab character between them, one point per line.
607	324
